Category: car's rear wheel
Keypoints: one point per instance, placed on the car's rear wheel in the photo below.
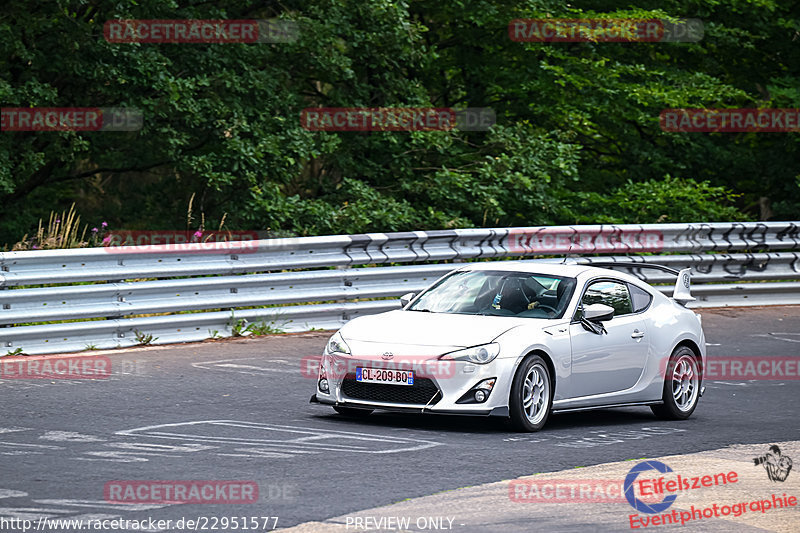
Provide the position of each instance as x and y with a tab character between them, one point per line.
353	412
531	395
681	386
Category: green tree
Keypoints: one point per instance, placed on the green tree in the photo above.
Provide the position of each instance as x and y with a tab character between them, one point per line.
577	132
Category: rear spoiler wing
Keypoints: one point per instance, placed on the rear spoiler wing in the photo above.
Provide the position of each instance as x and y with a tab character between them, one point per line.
683	287
682	293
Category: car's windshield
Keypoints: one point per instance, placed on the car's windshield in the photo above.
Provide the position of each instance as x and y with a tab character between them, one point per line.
498	293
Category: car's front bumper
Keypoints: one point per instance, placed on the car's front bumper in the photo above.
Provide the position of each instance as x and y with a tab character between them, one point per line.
440	386
497	411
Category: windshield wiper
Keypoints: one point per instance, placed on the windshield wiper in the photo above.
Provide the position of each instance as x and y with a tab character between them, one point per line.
422	310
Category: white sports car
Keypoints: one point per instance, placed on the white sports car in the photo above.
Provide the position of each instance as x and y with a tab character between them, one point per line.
521	340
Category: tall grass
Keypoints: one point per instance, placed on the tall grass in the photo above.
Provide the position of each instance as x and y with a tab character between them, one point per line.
62	231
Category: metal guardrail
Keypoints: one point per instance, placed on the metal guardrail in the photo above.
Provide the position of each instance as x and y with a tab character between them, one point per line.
220	284
168	261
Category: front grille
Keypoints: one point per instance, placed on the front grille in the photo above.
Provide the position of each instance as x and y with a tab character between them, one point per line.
420	392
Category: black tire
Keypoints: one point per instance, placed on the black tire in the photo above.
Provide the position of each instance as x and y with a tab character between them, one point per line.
523	417
682	379
353	412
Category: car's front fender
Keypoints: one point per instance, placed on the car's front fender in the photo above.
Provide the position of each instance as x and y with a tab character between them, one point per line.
552	342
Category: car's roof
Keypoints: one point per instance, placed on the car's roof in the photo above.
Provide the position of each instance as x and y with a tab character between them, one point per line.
533	267
554	268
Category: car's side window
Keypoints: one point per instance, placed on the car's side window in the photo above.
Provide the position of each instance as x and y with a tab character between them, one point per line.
611	293
641	298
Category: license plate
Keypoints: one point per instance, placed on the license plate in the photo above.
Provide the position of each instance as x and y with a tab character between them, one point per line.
381	375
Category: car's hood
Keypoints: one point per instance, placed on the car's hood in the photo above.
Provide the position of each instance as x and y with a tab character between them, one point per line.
431	329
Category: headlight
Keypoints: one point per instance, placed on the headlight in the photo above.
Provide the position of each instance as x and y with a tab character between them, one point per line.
336	345
485	353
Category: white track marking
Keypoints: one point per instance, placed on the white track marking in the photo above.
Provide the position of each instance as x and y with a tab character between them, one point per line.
31	513
152	447
258	454
281	436
278	453
38	446
13	430
120	457
69	436
21	452
236	440
102	504
596	437
780	336
235	365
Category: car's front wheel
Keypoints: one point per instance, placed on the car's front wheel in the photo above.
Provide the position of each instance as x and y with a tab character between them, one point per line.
531	395
352	412
681	386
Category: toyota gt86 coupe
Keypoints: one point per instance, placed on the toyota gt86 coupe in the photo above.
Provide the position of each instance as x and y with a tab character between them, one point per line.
521	340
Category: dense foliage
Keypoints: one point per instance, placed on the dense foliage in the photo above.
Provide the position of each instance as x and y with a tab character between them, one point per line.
577	136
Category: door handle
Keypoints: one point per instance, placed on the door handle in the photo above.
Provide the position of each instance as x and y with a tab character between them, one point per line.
637	334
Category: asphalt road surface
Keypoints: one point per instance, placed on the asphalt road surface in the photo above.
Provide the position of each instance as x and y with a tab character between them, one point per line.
238	410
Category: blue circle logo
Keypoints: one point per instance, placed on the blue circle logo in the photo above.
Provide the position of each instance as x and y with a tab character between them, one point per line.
636	503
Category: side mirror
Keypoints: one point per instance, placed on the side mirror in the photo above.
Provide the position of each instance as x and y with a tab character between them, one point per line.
598	312
404	299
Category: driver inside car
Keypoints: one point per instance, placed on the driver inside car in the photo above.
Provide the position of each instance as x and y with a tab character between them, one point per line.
513	297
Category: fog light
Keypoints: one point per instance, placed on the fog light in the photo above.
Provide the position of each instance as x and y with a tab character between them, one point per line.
479	393
323	385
